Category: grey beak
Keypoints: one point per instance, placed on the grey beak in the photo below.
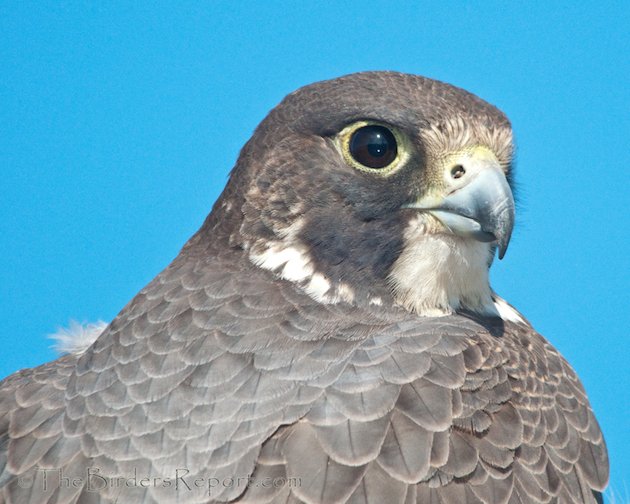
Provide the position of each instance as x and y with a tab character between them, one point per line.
482	209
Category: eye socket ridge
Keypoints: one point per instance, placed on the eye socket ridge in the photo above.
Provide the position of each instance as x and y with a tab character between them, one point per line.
372	147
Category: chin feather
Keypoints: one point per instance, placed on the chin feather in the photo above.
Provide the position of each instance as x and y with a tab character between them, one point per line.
439	273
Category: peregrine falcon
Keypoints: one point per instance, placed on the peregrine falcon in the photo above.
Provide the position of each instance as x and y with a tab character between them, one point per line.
329	335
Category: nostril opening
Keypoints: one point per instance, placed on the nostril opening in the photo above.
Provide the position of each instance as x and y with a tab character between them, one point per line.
458	171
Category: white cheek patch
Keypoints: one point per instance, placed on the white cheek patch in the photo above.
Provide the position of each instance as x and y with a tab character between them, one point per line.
291	261
294	262
286	257
297	265
318	287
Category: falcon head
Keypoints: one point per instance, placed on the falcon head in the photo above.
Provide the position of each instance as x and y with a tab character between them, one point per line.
376	188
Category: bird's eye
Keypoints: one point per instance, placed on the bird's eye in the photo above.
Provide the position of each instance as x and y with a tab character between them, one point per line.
379	149
373	146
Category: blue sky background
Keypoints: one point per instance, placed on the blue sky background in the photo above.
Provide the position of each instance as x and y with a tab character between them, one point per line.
119	123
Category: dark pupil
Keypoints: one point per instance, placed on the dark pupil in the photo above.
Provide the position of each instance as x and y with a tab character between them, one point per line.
373	146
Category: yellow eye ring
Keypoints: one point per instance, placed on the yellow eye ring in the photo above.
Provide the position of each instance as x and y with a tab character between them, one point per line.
373	147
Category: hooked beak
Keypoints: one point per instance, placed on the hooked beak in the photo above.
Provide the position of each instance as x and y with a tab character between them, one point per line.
477	201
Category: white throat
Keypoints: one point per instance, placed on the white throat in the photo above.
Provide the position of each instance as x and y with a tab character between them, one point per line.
440	273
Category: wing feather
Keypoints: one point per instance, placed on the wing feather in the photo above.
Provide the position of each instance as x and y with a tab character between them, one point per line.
230	373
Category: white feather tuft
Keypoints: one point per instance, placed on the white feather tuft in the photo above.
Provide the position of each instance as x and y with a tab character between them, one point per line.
77	338
507	312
